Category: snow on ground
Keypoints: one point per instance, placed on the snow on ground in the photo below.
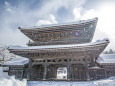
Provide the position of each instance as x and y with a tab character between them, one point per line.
104	82
6	80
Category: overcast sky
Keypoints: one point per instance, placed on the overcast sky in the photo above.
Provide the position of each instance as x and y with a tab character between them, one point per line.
29	13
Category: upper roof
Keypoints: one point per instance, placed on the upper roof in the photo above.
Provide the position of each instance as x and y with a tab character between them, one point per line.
61	24
69	33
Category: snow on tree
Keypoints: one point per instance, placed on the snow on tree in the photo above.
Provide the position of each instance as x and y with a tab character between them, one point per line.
110	51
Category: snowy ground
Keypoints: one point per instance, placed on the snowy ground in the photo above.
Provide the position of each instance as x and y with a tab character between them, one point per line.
106	82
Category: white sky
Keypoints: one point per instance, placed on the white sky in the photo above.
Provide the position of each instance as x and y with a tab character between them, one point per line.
33	13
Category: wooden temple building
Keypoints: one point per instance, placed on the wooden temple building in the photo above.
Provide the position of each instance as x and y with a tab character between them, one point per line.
63	45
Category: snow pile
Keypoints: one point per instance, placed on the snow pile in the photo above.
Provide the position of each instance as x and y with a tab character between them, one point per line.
103	82
106	82
6	80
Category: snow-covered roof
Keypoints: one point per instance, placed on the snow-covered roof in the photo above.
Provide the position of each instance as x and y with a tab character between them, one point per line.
5	54
16	61
5	68
95	67
106	58
60	46
69	23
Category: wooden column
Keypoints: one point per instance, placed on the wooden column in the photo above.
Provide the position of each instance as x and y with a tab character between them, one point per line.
87	74
45	70
105	73
68	69
29	69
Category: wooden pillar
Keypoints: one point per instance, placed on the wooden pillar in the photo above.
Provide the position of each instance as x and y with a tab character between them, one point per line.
96	74
45	70
55	72
87	73
68	69
105	72
22	73
29	71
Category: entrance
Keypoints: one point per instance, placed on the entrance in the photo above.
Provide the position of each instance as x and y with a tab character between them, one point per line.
62	73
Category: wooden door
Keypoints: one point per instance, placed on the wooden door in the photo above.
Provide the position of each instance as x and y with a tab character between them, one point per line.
79	72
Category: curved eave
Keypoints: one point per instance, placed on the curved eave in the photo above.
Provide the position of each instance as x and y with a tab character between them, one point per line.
59	27
68	46
85	47
94	50
15	65
107	64
89	49
81	22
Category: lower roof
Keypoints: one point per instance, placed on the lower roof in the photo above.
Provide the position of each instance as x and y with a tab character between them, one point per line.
19	61
57	46
106	58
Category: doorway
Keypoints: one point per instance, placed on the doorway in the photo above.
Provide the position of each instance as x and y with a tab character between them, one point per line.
62	73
